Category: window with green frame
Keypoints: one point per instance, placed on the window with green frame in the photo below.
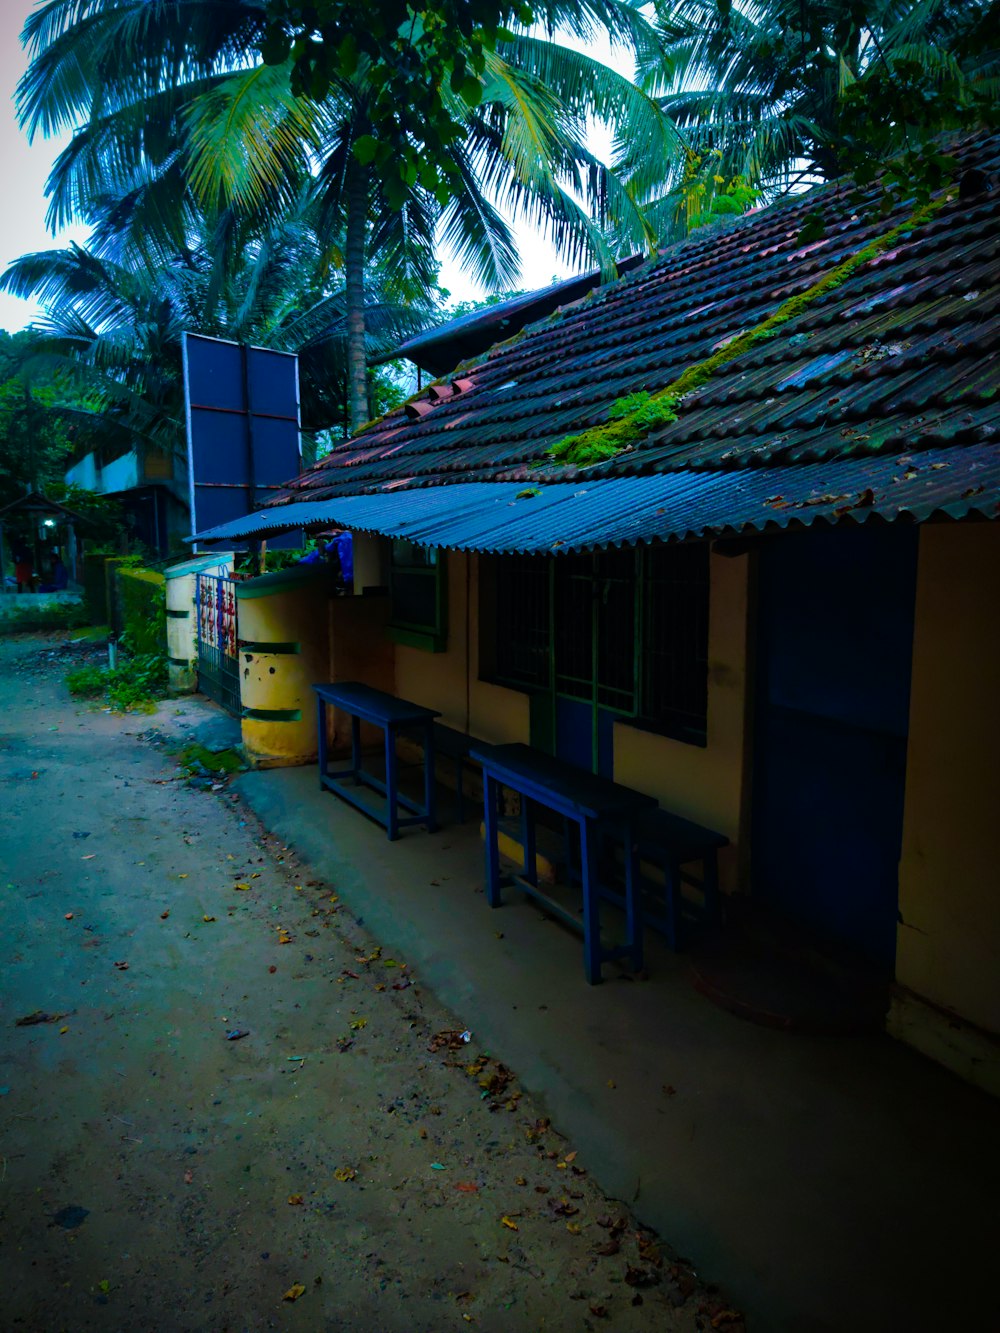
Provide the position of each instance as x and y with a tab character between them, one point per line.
658	594
418	593
673	675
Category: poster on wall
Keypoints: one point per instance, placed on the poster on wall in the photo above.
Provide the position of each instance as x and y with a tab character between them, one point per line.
243	429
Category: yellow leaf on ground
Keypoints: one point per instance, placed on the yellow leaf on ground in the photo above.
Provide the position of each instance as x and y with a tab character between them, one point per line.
506	1222
293	1293
208	918
344	1173
295	1198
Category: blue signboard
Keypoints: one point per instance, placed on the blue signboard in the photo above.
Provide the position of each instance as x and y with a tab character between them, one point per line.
242	406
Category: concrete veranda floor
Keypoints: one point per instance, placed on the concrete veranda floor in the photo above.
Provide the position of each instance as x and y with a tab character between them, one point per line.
829	1183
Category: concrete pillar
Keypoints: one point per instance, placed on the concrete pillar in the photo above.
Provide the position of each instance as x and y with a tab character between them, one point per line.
284	650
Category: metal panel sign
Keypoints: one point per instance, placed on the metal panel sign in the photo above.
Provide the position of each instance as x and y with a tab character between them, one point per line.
242	408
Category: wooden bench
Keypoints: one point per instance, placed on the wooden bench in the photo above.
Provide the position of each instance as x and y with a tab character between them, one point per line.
671	842
454	745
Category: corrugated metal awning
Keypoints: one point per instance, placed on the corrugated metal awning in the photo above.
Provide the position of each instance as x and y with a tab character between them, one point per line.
506	517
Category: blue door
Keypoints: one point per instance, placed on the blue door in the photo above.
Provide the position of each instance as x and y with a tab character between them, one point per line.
834	652
594	632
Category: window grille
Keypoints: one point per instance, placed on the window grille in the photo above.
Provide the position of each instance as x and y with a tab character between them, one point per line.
674	682
522	653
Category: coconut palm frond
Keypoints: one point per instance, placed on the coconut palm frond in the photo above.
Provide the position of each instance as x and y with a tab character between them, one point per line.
250	137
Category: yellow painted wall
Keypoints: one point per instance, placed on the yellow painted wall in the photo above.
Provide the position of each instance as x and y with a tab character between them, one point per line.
704	784
948	945
449	681
359	650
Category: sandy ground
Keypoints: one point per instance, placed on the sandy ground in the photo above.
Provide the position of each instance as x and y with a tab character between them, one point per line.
346	1161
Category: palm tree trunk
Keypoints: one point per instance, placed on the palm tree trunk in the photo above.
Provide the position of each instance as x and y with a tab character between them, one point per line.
354	266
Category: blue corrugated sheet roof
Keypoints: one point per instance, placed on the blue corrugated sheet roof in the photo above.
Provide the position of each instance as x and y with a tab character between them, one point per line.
509	517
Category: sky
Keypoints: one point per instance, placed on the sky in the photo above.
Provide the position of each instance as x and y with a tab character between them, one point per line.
26	168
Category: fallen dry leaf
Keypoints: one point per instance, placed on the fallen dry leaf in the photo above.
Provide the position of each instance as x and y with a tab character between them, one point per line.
39	1016
208	918
294	1292
295	1199
511	1226
122	966
188	1177
68	916
344	1173
466	1187
164	915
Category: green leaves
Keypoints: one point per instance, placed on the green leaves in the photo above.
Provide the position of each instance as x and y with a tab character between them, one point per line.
365	149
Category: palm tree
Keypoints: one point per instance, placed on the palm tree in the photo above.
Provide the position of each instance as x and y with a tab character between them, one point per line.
757	86
180	116
116	326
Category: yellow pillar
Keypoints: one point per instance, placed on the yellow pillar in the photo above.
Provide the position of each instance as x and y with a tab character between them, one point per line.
284	650
948	940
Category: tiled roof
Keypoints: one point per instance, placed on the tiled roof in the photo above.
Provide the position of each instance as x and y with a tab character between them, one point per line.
902	357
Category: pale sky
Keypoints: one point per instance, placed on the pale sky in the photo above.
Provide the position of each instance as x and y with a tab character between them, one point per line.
26	167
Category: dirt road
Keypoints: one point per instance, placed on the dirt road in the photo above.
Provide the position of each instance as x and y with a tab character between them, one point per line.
223	1107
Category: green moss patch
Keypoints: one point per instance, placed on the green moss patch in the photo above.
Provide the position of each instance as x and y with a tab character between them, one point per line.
199	759
632	418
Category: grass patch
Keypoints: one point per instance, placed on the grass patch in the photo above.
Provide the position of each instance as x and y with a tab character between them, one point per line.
132	686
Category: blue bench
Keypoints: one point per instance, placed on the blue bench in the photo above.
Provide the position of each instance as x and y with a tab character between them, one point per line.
671	842
396	717
596	806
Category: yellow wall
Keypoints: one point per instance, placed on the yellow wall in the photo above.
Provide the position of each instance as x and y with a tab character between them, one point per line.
704	784
948	944
359	649
449	681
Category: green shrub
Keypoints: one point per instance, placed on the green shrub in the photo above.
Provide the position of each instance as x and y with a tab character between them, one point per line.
135	684
144	610
87	682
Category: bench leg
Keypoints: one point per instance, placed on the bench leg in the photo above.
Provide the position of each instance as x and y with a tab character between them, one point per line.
528	841
591	904
460	790
710	888
672	894
491	828
430	785
355	747
633	911
321	738
391	778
